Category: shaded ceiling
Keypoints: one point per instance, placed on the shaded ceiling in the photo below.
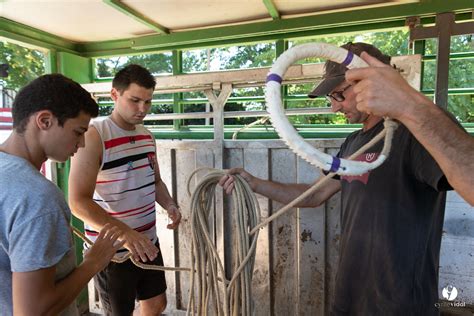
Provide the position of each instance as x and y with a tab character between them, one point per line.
96	20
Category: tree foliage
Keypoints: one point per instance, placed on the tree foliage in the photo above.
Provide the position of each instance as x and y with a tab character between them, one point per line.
24	65
27	64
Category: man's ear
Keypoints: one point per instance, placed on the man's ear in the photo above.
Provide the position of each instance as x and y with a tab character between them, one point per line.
114	93
44	119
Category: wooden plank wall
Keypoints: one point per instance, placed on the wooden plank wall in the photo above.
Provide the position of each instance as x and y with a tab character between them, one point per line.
296	254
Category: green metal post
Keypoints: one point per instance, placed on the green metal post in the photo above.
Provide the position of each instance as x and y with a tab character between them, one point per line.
419	48
79	69
177	97
280	47
51	61
76	67
93	68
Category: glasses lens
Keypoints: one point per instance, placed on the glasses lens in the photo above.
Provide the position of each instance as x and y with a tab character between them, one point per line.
337	96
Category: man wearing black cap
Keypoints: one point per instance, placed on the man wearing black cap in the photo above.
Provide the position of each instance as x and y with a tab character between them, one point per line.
392	216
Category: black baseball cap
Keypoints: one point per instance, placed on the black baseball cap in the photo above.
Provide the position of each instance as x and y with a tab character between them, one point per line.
335	73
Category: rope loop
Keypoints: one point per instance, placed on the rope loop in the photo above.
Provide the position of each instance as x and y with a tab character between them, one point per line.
215	293
286	131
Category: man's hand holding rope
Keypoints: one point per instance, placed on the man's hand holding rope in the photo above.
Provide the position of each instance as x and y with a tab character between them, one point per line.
227	181
174	215
105	247
139	245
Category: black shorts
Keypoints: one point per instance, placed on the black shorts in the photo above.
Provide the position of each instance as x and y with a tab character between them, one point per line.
119	284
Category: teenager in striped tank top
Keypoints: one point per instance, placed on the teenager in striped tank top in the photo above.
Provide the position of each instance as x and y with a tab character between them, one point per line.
116	179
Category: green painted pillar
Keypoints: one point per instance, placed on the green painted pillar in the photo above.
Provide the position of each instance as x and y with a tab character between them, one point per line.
177	97
419	48
51	62
77	68
280	47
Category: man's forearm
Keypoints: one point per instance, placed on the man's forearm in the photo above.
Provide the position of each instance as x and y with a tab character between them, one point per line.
69	288
163	196
450	146
43	296
287	192
91	213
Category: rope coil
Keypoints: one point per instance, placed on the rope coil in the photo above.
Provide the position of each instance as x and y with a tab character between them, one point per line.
229	297
214	291
286	131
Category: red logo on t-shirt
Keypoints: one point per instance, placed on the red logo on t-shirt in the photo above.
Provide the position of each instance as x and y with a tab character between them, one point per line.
364	178
151	160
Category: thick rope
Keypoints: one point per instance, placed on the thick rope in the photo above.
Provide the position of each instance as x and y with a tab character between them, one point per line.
229	297
262	120
287	132
317	185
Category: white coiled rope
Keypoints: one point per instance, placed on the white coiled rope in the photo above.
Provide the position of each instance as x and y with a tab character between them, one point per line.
286	131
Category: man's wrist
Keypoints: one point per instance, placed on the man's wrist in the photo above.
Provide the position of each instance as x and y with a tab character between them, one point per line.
416	109
170	205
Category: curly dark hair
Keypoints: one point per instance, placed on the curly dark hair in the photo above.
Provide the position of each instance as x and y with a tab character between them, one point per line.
133	74
62	96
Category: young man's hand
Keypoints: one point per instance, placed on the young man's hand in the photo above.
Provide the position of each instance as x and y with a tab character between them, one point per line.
175	215
139	245
105	247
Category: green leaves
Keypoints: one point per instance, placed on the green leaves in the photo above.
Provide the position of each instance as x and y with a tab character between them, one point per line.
24	64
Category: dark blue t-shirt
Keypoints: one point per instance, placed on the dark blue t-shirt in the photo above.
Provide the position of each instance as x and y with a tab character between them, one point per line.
391	226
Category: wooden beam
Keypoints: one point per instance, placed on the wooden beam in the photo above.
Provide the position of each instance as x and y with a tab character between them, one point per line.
272	9
409	65
125	9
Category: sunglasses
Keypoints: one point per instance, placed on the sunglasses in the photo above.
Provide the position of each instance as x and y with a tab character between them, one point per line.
337	95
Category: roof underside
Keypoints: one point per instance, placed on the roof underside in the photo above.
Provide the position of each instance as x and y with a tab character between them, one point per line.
96	20
93	28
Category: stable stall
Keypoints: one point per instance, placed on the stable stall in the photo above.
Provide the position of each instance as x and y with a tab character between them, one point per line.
297	254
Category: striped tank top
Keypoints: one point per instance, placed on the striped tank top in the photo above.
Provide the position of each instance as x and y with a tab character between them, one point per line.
125	185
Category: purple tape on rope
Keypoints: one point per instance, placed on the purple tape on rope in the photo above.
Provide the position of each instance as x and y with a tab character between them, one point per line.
336	163
274	77
348	59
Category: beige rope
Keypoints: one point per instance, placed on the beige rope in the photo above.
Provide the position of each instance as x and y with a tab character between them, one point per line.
262	120
206	263
208	274
129	256
390	127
